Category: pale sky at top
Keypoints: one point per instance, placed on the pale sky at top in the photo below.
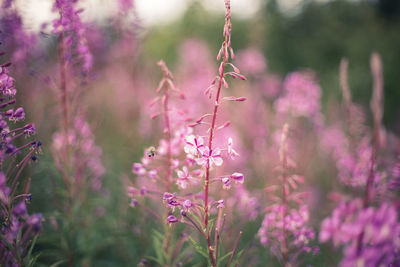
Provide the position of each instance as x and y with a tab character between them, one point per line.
150	11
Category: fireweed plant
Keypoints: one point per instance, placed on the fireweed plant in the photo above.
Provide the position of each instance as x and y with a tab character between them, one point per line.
198	167
367	227
284	227
76	156
18	229
22	42
156	170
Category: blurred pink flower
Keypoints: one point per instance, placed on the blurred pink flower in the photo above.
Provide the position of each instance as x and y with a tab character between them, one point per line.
251	61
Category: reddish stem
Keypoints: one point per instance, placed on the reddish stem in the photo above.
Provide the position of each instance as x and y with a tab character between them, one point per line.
210	139
63	82
284	210
167	136
370	180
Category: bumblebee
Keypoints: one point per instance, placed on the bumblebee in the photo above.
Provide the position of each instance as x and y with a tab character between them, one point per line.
151	152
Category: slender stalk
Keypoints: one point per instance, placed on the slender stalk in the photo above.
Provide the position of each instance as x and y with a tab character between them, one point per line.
166	83
225	46
167	130
235	249
65	122
217	233
210	138
377	111
63	82
64	104
285	252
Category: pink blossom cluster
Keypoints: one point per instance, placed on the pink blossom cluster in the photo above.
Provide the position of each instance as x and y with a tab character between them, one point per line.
285	225
87	167
301	97
370	236
70	26
351	163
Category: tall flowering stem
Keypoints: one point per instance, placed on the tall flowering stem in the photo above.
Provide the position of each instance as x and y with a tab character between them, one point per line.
344	86
377	111
166	82
226	45
284	227
225	57
158	164
200	157
374	239
17	227
75	153
63	80
283	158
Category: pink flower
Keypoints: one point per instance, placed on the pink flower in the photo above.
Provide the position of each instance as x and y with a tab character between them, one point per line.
231	152
214	157
183	177
132	191
220	203
227	182
252	61
187	204
194	145
171	219
168	196
133	203
138	169
238	177
153	174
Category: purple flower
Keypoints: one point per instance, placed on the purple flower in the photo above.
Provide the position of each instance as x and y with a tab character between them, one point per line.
138	169
16	219
171	219
19	114
133	203
237	177
370	236
187	204
20	209
35	221
29	129
168	196
70	24
226	182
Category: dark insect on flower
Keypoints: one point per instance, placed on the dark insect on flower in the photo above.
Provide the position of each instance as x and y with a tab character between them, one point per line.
151	151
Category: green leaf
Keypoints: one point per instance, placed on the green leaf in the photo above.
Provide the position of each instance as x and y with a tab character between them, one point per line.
237	257
157	239
197	220
58	263
28	256
154	259
199	248
224	257
33	260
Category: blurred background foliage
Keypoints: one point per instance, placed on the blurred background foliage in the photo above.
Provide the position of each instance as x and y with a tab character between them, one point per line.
316	37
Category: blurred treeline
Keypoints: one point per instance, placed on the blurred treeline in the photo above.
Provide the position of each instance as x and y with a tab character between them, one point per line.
316	38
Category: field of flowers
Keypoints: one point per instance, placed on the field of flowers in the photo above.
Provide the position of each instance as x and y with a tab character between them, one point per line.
206	156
